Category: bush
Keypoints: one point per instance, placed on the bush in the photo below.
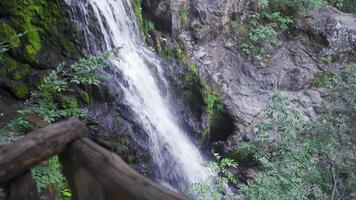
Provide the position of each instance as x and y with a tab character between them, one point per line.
299	160
55	98
344	5
286	6
216	187
268	19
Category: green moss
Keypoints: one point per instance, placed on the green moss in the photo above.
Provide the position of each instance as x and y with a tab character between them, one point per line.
184	16
30	53
20	90
181	54
9	35
13	69
323	80
43	24
167	53
69	48
21	72
68	102
213	102
214	108
191	81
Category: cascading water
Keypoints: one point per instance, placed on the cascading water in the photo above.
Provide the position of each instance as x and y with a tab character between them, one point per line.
178	161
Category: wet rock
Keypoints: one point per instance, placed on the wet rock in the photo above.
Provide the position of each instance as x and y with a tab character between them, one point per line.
291	65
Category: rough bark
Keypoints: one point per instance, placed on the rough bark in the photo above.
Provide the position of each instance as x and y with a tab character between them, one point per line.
118	180
37	146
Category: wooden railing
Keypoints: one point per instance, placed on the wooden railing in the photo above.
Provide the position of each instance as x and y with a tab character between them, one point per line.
93	173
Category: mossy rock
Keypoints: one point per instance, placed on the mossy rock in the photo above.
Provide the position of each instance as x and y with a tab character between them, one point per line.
45	30
20	90
12	69
220	123
9	35
323	79
68	102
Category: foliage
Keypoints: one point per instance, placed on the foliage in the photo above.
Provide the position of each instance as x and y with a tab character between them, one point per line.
3	49
323	79
263	27
50	176
344	5
184	16
213	102
167	53
302	160
287	171
55	95
216	187
268	19
55	98
146	26
180	54
214	106
290	5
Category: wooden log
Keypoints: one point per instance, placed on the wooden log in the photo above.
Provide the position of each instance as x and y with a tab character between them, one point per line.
118	180
23	188
37	146
81	183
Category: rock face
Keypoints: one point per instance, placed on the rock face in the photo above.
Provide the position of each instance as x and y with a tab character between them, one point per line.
325	41
38	37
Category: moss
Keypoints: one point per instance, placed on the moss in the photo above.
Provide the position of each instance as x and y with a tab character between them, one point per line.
68	102
167	53
13	69
181	54
323	79
9	35
213	102
21	72
43	24
20	90
68	47
30	53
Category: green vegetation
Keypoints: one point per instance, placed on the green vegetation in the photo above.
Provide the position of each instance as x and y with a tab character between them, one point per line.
54	99
216	187
146	26
9	34
184	16
180	54
344	5
49	177
299	160
214	107
41	21
324	79
268	19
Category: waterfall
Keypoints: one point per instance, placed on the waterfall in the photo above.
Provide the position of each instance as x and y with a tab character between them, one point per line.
176	158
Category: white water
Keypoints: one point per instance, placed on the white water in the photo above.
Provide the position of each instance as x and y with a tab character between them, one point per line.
178	161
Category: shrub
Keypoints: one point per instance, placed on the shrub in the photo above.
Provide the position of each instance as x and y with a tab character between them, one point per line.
344	5
55	96
49	176
267	19
299	160
184	16
55	99
216	187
